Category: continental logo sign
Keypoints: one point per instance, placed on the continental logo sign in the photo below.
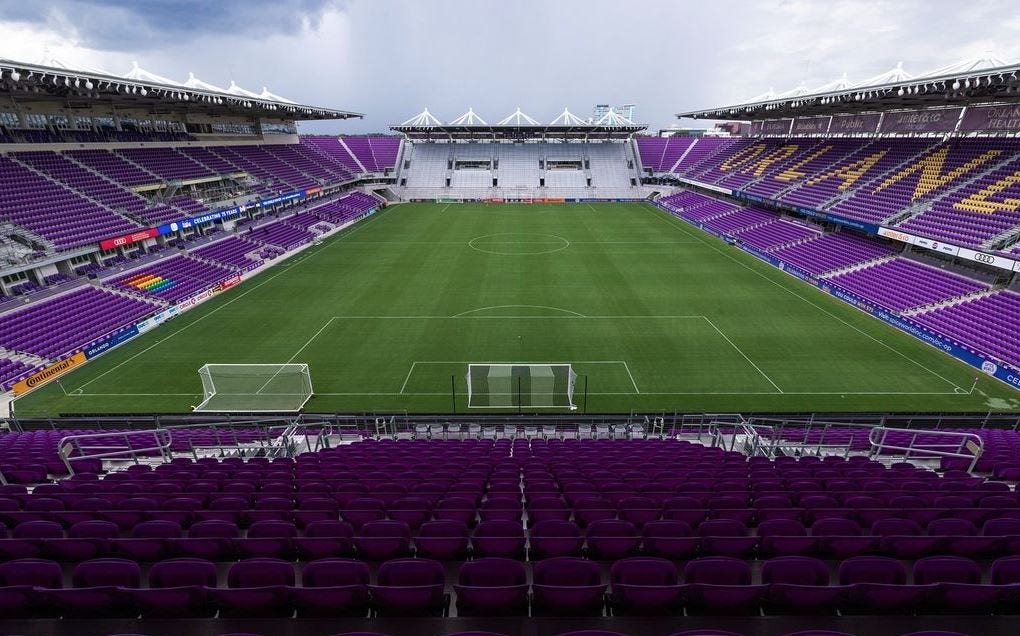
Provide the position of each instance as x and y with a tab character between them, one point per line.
49	373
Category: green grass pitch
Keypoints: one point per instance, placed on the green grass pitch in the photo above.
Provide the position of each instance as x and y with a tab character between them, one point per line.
653	314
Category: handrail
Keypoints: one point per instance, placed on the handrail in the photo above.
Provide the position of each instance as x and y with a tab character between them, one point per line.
969	442
66	447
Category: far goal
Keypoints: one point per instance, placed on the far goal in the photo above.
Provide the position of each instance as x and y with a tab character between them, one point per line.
500	385
254	387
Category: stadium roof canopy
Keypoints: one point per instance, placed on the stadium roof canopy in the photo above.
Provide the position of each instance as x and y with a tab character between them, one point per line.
518	125
79	85
985	79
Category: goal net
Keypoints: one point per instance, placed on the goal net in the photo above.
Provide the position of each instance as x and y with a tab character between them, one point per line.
506	385
254	387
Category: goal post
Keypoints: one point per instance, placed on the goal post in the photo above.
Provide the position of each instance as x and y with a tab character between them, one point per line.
254	387
496	385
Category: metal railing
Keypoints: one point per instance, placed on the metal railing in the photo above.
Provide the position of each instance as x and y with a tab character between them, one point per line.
241	438
115	445
957	444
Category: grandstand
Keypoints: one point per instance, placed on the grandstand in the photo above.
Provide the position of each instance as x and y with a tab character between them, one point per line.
270	383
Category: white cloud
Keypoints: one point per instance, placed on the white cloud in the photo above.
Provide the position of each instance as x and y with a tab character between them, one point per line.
391	58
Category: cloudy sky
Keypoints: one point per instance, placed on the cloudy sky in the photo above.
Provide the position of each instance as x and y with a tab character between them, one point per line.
391	58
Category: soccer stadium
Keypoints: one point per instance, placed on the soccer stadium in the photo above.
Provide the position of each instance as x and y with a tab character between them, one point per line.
279	365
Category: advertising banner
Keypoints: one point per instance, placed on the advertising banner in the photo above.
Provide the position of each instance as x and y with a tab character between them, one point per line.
227	283
912	121
991	119
853	124
776	127
110	342
988	259
811	125
282	198
188	303
157	319
51	372
128	239
936	246
755	129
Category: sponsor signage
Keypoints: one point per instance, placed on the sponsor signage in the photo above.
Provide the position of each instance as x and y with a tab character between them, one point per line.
911	121
991	119
895	235
937	246
810	125
128	239
776	127
188	303
850	124
227	283
987	259
755	128
110	342
310	191
157	319
51	372
283	198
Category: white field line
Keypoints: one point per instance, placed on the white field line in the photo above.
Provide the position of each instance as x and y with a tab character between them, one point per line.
741	352
408	378
631	393
296	353
631	376
622	363
667	220
226	304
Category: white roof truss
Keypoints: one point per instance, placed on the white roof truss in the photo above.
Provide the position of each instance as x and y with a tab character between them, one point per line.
470	118
518	118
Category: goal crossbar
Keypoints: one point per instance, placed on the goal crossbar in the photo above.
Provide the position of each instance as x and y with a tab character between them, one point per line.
254	388
501	385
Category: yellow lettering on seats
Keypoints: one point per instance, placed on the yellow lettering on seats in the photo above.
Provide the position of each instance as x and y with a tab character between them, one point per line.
851	172
793	172
930	172
978	201
741	157
775	156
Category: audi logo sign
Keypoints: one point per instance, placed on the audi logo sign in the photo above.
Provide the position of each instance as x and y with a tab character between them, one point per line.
984	258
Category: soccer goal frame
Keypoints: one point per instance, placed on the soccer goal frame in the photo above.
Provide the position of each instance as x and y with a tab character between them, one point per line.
500	385
254	388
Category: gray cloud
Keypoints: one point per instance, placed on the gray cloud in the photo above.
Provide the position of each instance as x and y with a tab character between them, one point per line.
133	25
391	58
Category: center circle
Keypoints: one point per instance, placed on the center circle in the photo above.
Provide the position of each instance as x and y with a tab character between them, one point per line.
518	244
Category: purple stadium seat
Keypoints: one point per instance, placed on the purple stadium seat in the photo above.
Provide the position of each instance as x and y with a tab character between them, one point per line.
324	539
444	540
332	587
22	587
498	539
610	539
383	540
257	588
567	586
410	587
721	585
492	586
178	588
97	590
799	585
644	586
